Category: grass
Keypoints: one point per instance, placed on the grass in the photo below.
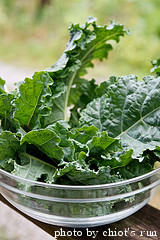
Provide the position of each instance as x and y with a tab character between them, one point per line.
37	40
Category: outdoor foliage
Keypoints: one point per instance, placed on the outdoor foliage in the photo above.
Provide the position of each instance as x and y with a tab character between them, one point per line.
35	36
111	133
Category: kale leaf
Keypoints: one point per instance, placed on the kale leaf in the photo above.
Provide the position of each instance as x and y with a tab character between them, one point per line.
112	132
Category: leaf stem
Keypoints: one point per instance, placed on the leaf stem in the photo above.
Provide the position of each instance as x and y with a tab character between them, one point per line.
74	75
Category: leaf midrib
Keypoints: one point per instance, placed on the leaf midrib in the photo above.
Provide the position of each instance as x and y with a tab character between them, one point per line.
141	119
34	109
75	73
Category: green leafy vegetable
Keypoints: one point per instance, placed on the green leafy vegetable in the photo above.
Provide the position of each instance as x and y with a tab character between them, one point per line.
9	146
137	168
33	100
5	105
84	46
112	132
2	83
35	169
156	67
46	140
129	110
85	176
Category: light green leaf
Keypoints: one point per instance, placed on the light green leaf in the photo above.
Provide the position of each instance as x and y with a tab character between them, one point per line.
2	83
156	67
117	159
46	140
33	101
103	141
34	170
84	134
157	152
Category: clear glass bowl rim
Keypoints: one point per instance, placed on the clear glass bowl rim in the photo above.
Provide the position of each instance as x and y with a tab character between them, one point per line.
74	187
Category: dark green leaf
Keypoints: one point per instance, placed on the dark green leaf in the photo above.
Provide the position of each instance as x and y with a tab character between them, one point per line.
9	146
134	169
79	172
5	105
129	110
80	96
6	113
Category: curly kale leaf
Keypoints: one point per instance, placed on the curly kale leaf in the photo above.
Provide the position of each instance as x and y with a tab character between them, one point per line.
128	110
84	46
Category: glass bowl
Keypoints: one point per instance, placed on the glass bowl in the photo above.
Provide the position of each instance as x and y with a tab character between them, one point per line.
79	206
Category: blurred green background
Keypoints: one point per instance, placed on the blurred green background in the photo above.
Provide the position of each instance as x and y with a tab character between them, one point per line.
34	33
